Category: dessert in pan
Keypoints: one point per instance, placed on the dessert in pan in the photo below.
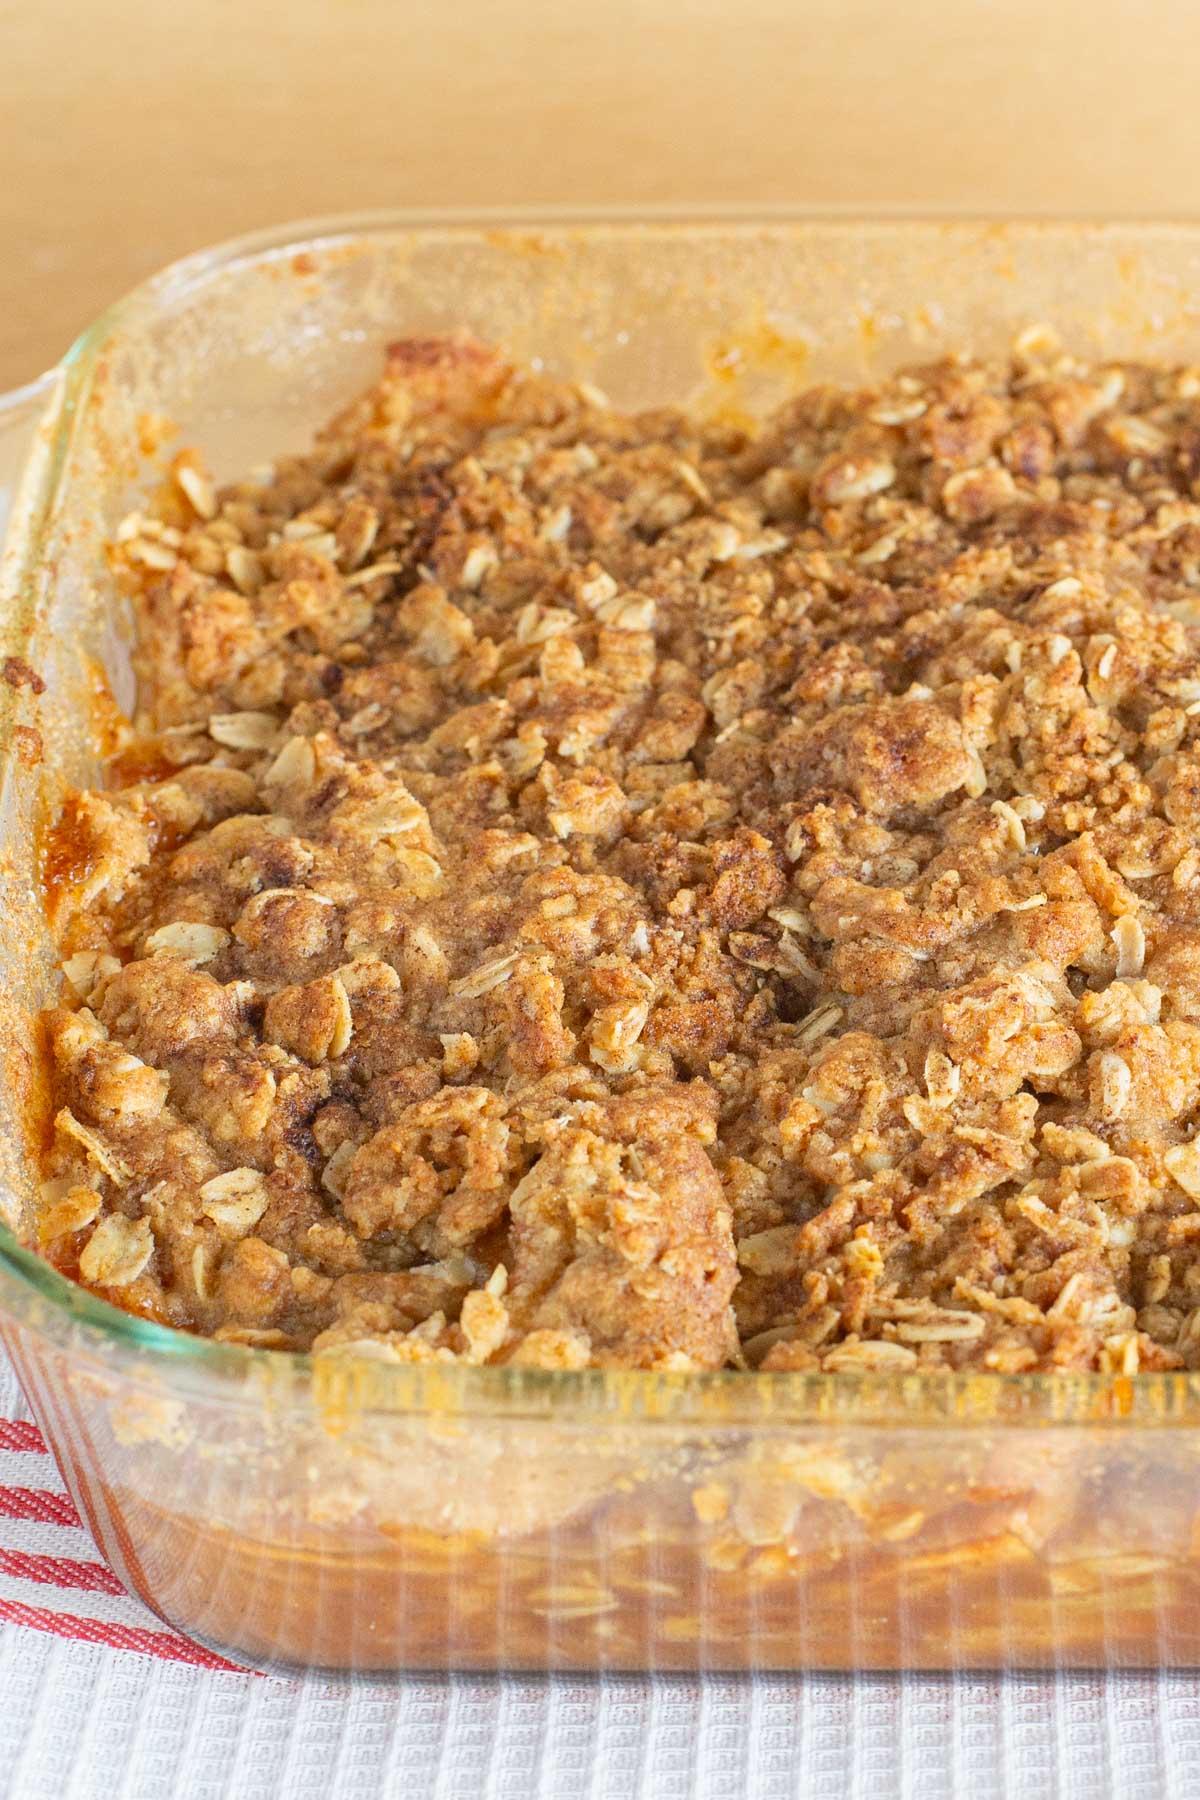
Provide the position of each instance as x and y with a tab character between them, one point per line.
609	889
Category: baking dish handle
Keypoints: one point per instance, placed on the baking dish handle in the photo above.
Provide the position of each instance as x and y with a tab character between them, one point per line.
20	410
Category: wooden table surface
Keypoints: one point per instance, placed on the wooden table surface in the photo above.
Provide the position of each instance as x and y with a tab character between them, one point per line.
134	131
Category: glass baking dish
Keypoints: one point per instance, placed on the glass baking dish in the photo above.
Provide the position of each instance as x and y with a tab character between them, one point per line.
365	1516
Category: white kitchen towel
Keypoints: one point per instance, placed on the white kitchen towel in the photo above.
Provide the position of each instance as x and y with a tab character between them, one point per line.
100	1701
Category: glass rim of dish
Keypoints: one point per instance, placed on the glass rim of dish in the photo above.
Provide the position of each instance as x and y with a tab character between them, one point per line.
327	231
38	1297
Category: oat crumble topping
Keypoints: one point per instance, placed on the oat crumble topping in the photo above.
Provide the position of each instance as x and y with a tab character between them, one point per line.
623	890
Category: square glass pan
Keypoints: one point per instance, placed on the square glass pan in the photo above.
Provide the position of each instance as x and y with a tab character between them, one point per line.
368	1516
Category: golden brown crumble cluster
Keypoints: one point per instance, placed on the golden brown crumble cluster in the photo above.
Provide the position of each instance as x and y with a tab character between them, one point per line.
621	890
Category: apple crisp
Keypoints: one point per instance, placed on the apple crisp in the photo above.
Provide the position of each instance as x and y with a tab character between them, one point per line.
602	889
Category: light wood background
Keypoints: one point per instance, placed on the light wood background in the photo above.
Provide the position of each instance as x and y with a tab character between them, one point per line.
134	130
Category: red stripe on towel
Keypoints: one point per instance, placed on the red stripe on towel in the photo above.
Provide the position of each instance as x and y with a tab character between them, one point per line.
21	1434
60	1571
37	1503
163	1644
